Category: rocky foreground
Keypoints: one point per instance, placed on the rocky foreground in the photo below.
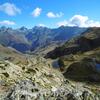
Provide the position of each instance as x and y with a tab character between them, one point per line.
32	77
38	80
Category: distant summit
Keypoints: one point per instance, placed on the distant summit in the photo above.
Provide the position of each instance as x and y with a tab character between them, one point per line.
24	39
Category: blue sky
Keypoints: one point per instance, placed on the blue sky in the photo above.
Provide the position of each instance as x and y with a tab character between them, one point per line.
50	13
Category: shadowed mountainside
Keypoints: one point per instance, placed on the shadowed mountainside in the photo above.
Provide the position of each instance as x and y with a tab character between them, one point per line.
25	40
79	58
88	40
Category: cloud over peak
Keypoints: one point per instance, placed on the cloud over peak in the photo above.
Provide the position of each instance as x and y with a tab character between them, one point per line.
53	15
36	12
42	25
7	22
80	21
10	9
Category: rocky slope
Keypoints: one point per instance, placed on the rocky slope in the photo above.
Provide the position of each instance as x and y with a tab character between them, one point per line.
38	80
8	53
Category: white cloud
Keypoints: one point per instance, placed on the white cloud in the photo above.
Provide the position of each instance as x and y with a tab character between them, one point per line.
42	25
80	21
53	15
9	9
7	22
36	12
62	23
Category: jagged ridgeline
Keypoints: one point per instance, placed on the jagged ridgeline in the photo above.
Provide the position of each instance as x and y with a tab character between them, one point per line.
25	40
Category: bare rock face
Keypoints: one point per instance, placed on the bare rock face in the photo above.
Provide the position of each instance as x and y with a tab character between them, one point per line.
37	80
27	90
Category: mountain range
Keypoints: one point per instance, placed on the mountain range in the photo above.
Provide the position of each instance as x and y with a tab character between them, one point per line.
26	40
